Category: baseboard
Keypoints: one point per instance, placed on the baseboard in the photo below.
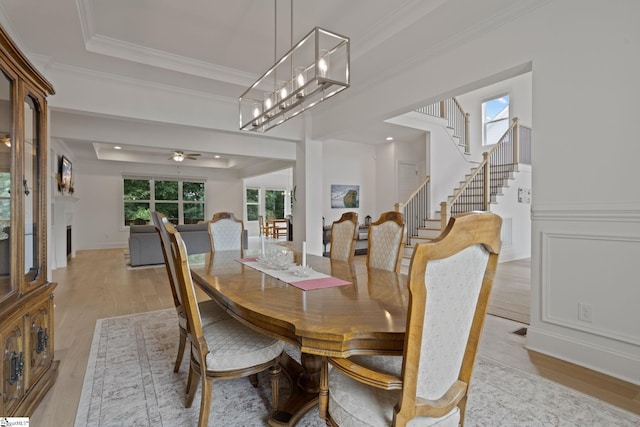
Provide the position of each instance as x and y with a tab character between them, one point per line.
601	359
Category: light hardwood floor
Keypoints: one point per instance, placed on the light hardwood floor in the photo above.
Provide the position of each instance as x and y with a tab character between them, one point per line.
97	284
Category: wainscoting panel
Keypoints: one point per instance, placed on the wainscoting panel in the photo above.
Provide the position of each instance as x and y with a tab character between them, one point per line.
591	283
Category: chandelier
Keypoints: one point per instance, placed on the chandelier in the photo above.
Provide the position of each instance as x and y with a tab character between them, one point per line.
313	70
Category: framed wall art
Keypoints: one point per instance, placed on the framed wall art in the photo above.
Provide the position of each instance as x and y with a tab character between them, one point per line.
345	196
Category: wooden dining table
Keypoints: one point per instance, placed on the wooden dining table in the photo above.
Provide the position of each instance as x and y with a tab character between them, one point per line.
366	316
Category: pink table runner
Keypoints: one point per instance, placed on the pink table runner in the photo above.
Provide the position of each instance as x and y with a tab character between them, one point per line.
327	282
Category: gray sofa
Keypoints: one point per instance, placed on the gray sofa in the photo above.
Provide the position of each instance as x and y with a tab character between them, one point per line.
144	242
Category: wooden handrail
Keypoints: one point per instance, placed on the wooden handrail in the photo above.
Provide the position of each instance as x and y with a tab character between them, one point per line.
484	168
415	209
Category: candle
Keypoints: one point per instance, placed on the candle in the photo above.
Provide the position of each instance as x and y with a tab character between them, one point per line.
262	245
304	254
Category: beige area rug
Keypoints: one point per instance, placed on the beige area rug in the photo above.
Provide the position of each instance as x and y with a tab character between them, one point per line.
511	293
129	381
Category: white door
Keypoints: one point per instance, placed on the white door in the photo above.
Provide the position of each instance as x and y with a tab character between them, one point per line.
407	180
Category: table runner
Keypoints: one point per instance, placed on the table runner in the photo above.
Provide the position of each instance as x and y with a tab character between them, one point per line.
315	280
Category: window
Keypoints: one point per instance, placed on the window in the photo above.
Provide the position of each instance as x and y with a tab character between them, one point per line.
268	202
253	203
274	204
495	119
182	202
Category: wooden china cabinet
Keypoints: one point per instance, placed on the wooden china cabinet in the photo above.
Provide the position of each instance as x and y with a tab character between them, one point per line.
26	297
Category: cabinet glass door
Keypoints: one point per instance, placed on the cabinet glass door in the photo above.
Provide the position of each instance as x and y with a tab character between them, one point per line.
6	173
31	190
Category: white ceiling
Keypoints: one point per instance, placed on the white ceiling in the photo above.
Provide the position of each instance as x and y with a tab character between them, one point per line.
213	46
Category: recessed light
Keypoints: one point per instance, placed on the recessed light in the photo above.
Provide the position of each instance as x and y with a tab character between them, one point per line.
217	156
117	147
389	138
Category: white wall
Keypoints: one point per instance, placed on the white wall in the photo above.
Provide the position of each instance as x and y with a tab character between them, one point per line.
385	158
448	167
413	152
349	163
516	216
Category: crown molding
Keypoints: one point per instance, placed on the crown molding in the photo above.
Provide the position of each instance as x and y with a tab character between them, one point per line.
108	46
99	75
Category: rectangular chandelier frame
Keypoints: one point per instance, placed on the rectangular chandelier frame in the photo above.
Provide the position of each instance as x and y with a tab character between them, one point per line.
313	70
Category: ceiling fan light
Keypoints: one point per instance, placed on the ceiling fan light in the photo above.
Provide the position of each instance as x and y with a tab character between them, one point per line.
178	157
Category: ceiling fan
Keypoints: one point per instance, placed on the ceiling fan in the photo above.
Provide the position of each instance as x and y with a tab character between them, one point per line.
179	156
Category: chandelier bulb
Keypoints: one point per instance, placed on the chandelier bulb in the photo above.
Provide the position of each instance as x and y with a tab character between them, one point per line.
323	63
268	103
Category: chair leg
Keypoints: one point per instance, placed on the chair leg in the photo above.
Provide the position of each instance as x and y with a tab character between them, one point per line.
253	379
181	345
463	409
274	372
205	401
189	380
192	386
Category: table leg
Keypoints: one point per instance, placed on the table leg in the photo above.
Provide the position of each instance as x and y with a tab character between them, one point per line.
305	386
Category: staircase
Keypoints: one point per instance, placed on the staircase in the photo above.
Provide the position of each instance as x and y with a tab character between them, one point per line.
480	188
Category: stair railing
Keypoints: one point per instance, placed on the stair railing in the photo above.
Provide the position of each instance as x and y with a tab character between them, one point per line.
487	178
457	119
415	209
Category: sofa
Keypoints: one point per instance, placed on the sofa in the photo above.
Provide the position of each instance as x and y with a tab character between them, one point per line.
144	242
145	249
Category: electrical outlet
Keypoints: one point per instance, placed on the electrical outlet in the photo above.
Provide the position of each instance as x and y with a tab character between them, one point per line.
585	312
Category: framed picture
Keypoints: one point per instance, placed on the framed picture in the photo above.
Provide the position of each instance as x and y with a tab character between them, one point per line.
345	196
65	173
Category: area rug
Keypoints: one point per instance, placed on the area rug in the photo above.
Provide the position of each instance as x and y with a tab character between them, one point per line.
130	381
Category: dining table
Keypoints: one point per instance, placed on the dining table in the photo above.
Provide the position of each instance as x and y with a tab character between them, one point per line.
341	309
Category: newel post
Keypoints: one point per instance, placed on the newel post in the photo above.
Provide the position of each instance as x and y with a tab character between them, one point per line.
516	142
487	182
467	138
445	213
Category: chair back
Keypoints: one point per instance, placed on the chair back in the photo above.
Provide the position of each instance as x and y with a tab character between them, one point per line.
177	254
386	242
343	237
225	232
159	221
450	280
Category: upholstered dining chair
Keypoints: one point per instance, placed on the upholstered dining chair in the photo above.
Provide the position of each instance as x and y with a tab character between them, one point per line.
225	232
209	309
450	280
225	349
343	237
386	242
